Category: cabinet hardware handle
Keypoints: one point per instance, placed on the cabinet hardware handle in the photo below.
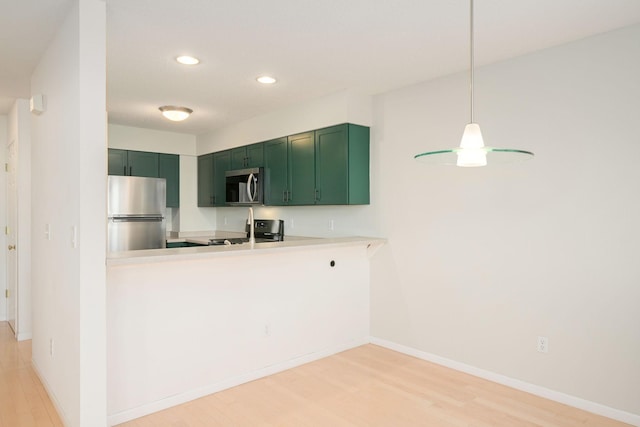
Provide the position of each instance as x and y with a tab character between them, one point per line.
130	170
316	195
124	172
11	247
284	195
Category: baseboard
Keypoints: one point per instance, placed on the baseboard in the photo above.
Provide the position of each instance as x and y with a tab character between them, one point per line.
22	336
576	402
52	396
140	411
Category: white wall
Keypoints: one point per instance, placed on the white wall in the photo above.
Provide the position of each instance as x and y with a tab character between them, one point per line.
69	193
157	141
482	261
188	217
3	217
338	108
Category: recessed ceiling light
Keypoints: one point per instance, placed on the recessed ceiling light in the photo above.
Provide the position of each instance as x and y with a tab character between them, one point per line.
187	60
176	114
267	80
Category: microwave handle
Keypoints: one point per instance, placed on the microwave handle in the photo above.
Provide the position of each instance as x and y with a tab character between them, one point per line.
252	180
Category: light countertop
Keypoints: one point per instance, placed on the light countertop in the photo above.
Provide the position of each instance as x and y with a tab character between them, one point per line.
291	243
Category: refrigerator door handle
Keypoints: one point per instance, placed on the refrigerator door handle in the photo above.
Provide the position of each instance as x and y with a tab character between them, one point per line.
137	219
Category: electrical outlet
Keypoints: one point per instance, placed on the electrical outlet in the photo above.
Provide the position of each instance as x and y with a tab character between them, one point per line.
543	344
267	329
291	223
51	347
331	225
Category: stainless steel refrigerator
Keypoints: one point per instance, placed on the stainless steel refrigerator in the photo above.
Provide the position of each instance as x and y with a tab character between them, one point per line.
136	207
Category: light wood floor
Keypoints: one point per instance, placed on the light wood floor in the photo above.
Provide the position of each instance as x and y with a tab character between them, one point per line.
366	386
23	400
371	386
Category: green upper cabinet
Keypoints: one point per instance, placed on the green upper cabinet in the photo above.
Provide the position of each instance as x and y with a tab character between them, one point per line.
169	169
143	163
133	163
221	164
328	166
205	180
248	156
342	165
289	165
301	169
276	168
151	165
118	163
211	178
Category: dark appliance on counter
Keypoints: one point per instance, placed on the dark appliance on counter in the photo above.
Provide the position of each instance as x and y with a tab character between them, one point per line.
266	230
245	187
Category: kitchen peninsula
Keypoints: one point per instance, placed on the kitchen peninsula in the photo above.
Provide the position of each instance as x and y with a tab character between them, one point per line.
187	322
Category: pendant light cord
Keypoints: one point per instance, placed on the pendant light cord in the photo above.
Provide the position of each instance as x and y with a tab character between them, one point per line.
471	56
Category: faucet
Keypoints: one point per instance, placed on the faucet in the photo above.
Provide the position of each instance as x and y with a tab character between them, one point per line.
252	231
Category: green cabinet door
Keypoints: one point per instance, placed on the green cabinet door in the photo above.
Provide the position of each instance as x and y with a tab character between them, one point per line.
302	169
118	163
277	172
342	165
255	155
238	158
205	180
169	169
359	172
332	166
221	164
143	163
248	156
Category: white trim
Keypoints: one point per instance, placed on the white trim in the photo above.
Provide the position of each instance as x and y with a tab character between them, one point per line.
52	396
556	396
130	414
22	336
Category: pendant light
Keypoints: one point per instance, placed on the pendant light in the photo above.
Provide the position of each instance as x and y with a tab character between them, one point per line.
472	152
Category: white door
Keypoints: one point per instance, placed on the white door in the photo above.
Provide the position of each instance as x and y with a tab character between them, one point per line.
12	238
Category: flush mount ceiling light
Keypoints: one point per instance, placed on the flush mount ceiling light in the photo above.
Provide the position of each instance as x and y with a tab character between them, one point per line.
266	80
187	60
472	151
176	114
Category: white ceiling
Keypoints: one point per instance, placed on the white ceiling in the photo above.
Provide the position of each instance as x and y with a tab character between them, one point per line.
314	48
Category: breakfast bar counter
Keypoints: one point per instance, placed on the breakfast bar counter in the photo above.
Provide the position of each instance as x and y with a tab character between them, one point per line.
186	322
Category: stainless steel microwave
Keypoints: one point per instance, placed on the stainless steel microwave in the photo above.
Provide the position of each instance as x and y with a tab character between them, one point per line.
245	187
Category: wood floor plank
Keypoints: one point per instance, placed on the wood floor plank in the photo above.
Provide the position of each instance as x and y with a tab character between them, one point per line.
373	386
366	386
23	400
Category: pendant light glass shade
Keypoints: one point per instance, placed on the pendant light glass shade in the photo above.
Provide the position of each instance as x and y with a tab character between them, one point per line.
472	152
